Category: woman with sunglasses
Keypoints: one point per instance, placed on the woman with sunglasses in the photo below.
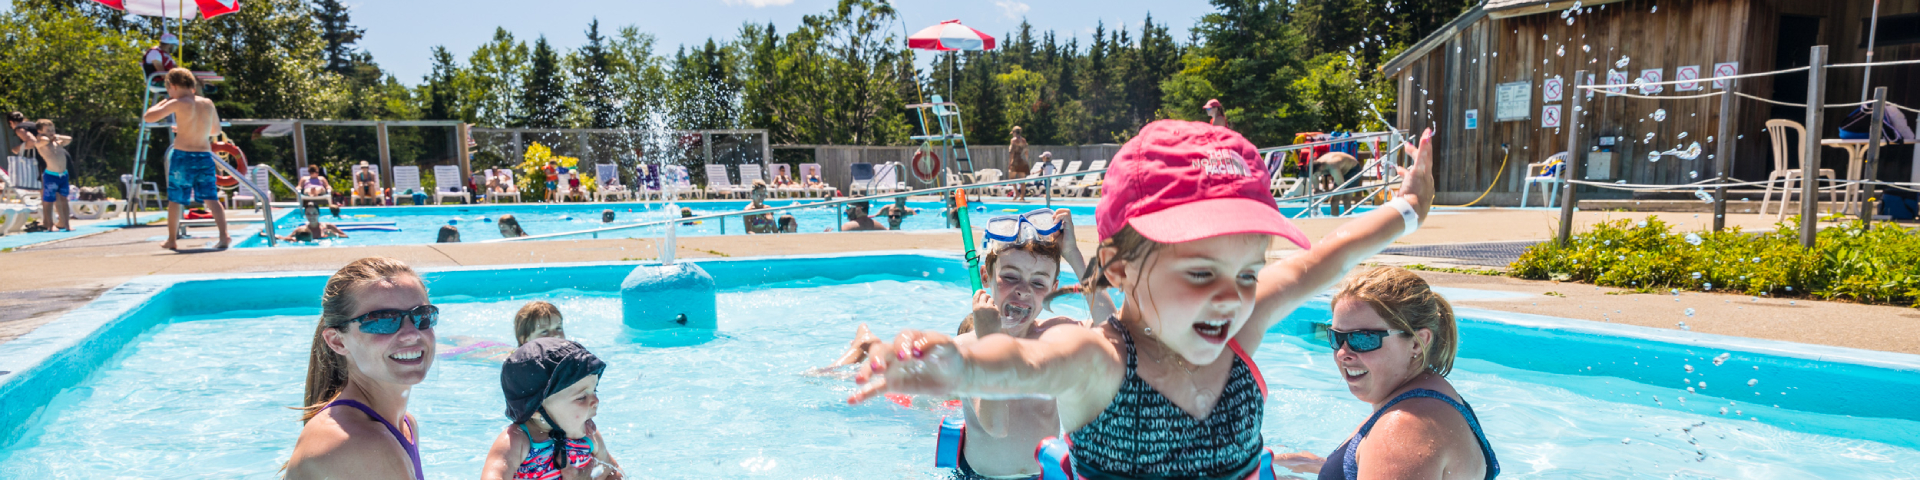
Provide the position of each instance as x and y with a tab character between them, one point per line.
374	342
1394	340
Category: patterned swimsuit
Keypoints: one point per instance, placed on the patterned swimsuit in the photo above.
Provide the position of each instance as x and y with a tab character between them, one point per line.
1142	434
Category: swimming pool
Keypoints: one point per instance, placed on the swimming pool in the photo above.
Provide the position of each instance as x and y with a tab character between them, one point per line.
421	224
127	385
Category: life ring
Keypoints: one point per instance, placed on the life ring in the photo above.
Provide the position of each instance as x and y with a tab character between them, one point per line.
226	150
931	168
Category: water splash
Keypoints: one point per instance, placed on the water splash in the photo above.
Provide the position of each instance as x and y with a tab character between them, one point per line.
1703	196
1622	63
1649	138
1659	115
1694	239
1563	49
1683	136
1722	358
1690	313
1692	152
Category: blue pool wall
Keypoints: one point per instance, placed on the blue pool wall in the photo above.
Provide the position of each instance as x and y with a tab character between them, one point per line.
1818	379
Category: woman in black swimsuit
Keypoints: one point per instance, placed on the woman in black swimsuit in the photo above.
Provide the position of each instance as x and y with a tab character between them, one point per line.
374	342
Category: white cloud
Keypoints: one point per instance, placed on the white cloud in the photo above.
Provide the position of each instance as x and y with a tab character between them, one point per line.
758	3
1014	8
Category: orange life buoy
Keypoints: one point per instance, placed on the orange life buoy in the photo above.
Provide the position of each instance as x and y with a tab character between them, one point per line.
931	168
227	151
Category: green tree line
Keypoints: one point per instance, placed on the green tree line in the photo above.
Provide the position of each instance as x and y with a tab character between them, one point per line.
840	76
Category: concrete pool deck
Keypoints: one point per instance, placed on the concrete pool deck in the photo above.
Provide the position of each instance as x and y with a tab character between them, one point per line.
39	283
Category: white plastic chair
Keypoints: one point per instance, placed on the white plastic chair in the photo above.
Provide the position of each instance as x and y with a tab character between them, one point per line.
1089	185
261	177
1060	185
447	184
811	170
604	173
750	172
1782	169
717	181
355	193
406	177
1551	172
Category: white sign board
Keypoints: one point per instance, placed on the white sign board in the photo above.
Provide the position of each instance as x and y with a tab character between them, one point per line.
1724	70
1690	72
1590	82
1473	119
1512	101
1552	89
1616	78
1651	75
1550	116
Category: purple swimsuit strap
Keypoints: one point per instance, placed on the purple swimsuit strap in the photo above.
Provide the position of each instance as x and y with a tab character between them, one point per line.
413	450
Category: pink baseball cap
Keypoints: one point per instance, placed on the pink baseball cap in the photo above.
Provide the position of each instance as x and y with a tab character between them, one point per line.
1213	103
1180	181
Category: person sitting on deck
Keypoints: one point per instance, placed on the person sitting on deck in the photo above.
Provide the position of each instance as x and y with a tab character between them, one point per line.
315	185
497	180
365	183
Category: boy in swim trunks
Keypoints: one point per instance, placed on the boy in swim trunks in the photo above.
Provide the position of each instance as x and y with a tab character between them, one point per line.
190	169
53	180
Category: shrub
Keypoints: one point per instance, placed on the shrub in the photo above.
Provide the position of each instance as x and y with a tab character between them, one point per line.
1881	265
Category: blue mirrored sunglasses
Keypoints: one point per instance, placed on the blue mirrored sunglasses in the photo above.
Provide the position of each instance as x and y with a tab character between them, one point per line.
387	322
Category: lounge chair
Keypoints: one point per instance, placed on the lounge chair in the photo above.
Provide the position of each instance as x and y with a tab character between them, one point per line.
144	192
405	178
886	178
646	182
509	187
606	178
1060	185
862	179
718	183
1784	169
356	197
446	179
675	180
783	182
13	217
300	190
1089	185
812	170
1548	172
750	172
261	177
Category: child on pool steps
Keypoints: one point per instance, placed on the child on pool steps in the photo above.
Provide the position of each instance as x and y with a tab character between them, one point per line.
1184	226
550	386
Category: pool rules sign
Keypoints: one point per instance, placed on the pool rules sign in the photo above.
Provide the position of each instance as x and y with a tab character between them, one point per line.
1550	116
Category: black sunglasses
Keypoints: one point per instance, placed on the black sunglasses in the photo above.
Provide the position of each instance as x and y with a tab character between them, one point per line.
1359	340
386	322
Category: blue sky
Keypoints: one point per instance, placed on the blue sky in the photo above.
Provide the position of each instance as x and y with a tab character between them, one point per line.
400	32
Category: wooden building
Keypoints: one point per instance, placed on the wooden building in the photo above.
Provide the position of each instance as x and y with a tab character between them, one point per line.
1453	80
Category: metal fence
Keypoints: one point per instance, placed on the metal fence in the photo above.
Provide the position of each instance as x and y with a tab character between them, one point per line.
836	161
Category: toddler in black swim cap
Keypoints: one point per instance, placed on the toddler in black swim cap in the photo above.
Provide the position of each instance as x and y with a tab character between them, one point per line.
550	387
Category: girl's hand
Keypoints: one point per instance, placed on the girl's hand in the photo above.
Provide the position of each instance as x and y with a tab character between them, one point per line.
1064	217
915	363
1417	181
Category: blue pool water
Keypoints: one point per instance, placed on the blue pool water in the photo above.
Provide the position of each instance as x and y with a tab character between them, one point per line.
177	384
421	225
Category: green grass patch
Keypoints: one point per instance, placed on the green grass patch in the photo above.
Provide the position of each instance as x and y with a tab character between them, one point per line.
1848	261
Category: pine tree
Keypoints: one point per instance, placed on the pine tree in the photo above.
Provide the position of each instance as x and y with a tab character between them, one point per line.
590	88
440	91
337	29
543	96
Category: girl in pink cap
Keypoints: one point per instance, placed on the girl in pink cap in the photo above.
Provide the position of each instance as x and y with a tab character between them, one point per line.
1167	387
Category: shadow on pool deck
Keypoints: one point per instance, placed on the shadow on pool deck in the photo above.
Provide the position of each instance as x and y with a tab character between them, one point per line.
44	281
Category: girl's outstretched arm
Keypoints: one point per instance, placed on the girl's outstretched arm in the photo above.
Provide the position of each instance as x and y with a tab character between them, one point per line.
1069	363
1286	284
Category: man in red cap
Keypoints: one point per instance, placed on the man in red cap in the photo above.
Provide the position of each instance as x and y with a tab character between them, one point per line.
1216	114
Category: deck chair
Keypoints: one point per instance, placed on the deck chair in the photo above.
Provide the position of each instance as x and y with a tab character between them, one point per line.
718	183
606	183
1549	172
355	197
405	178
1783	169
886	178
14	217
785	186
300	191
261	177
1060	185
510	188
862	179
750	172
675	180
447	184
989	175
1089	185
812	170
646	182
142	192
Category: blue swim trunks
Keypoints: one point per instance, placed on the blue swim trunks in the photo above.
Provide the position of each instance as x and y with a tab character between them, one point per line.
190	178
53	186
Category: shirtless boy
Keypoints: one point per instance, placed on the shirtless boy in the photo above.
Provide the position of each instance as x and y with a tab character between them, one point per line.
191	167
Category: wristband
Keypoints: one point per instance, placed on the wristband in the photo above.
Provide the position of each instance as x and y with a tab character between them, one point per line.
1407	214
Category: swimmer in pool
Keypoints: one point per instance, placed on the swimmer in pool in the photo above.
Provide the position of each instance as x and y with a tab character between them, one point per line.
448	234
537	319
1394	340
314	229
373	343
509	227
551	387
763	223
1167	387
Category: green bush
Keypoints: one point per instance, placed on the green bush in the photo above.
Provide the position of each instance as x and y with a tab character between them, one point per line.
1881	265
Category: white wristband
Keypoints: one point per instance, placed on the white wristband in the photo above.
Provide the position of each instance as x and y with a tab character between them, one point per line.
1407	214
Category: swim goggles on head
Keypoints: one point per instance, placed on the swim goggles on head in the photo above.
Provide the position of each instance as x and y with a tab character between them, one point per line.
386	322
1359	340
1022	228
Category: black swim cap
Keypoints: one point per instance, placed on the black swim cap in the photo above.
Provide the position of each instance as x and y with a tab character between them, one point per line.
540	368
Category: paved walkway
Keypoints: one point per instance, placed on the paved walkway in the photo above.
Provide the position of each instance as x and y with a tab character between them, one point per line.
39	283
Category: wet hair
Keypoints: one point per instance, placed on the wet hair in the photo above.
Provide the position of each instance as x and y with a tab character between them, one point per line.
183	78
529	316
759	184
686	212
1408	304
606	216
46	127
509	227
327	370
788	224
334	209
16	117
1046	250
449	234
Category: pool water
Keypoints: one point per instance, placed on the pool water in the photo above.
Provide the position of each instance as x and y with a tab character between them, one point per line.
205	397
421	225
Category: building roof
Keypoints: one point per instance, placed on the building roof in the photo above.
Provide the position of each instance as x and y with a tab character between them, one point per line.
1486	8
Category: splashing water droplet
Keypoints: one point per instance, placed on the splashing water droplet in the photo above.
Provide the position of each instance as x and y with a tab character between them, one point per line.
1694	238
1722	358
1656	9
1586	48
1660	115
1689	312
1683	136
1723	410
1703	384
1569	20
1692	152
1543	36
1622	63
1688	367
1653	156
1703	196
1696	276
1649	138
1753	381
1693	174
1563	51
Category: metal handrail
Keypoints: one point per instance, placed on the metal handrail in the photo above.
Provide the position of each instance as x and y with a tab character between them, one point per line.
283	180
1355	137
272	235
829	203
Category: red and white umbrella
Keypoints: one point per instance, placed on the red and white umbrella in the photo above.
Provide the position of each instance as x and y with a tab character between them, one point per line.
950	36
175	9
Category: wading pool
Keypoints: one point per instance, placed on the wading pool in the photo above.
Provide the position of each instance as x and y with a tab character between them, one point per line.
172	377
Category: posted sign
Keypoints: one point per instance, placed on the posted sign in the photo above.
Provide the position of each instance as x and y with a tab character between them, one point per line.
1615	77
1512	101
1473	119
1550	116
1651	75
1687	74
1724	70
1552	89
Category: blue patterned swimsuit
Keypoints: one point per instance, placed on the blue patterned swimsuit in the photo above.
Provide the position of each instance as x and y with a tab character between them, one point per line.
1142	434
